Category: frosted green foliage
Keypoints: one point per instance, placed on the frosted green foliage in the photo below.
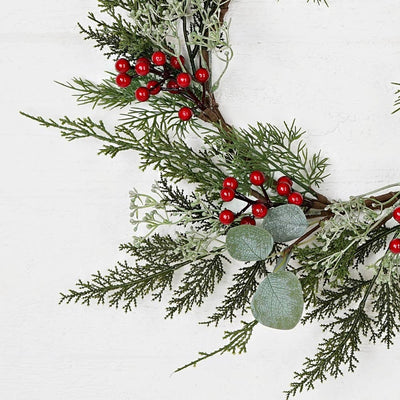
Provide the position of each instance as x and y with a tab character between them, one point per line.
278	301
249	243
285	222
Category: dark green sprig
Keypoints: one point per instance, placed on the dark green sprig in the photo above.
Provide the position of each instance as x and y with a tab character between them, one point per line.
386	306
340	348
237	344
397	102
119	36
197	284
237	299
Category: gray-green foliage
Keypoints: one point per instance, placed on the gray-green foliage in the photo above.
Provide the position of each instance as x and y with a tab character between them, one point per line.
286	222
278	301
249	243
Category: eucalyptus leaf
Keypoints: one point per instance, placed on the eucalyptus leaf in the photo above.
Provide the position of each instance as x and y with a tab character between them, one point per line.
249	243
278	301
285	222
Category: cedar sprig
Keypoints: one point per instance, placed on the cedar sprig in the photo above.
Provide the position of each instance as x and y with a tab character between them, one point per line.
237	343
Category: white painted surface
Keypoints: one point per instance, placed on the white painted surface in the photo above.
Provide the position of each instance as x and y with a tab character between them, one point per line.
64	210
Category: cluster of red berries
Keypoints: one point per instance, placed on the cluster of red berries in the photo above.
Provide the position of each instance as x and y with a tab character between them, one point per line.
174	82
228	193
284	188
394	245
258	209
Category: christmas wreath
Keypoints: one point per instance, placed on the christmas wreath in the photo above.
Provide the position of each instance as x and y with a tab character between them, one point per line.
243	199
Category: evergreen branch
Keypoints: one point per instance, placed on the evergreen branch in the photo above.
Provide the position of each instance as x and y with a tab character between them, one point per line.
157	257
124	284
339	349
319	2
386	305
197	284
273	151
397	102
330	302
120	36
161	114
237	344
121	139
106	94
238	296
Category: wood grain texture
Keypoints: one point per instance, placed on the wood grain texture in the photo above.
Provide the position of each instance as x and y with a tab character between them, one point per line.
64	210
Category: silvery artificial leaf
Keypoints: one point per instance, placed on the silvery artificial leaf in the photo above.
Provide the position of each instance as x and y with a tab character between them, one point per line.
249	243
278	301
285	222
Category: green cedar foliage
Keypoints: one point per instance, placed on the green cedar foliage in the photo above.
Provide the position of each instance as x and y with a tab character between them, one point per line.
337	271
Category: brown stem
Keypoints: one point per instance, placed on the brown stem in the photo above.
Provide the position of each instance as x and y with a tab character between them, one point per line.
374	202
305	236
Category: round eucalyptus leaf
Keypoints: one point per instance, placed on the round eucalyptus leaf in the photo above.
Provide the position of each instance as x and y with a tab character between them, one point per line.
285	222
278	301
249	243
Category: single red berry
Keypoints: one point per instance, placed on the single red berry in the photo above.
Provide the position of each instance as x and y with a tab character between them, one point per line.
159	58
172	86
247	221
283	189
122	65
185	113
226	217
123	80
202	75
142	68
394	246
230	182
227	194
175	63
259	210
396	214
142	94
295	198
257	178
154	87
285	179
183	79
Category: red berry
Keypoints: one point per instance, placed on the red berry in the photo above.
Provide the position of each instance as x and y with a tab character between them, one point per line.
175	63
183	79
123	80
159	58
185	113
396	214
142	94
283	189
259	210
154	87
172	86
226	217
227	194
257	178
122	65
394	246
230	182
202	75
142	68
285	179
247	221
295	198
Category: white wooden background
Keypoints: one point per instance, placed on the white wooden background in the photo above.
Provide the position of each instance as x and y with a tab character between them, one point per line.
64	210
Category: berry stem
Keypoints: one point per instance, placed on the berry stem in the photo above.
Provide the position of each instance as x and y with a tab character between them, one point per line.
243	210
